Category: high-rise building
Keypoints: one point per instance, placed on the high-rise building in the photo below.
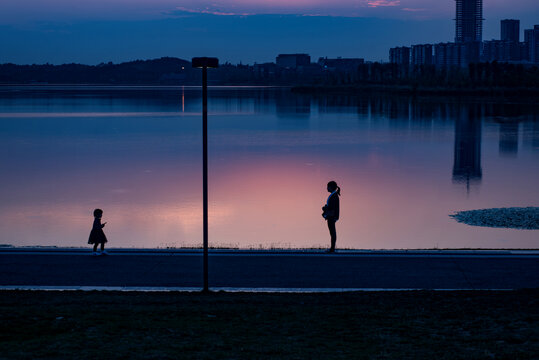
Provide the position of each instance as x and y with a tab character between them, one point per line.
448	54
456	54
534	44
531	41
499	50
469	21
400	55
510	36
528	36
422	54
510	30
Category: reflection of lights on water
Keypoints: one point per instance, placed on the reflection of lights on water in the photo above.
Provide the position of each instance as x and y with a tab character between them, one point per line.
183	99
93	115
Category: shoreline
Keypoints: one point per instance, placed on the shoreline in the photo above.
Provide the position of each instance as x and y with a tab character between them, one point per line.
378	89
415	90
241	251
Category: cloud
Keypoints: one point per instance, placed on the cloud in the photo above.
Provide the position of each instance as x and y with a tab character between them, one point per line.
413	10
17	11
384	3
343	9
210	12
309	8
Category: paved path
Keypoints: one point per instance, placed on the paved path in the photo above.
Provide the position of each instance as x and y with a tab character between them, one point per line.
260	270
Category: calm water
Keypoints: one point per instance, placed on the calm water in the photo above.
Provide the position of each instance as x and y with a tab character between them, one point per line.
403	165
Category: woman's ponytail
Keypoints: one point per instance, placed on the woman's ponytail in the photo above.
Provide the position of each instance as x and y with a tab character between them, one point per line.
332	185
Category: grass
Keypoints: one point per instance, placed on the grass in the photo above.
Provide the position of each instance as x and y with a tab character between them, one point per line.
379	325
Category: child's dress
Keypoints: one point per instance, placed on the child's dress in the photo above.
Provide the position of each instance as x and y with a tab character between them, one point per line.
97	235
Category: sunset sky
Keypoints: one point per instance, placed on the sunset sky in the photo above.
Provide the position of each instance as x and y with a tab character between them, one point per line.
60	31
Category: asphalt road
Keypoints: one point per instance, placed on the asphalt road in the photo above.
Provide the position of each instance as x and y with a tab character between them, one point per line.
259	270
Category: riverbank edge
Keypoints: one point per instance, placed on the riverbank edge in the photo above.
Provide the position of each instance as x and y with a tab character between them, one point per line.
378	89
308	251
527	93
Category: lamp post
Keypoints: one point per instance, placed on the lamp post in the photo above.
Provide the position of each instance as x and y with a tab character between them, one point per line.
204	63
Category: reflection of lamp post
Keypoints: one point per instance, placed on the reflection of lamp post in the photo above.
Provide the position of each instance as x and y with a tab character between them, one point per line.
204	63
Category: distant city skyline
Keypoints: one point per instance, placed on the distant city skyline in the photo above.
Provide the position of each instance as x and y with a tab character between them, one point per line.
62	31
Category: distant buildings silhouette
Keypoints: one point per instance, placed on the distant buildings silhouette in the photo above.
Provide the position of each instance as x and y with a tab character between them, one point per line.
531	41
468	62
293	61
340	64
422	54
400	55
469	46
510	30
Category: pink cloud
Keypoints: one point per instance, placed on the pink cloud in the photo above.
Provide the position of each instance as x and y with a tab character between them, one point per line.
378	3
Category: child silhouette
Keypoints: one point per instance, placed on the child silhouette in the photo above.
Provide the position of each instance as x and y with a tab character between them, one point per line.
97	235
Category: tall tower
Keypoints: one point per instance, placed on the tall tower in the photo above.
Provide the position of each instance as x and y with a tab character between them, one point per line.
469	21
510	30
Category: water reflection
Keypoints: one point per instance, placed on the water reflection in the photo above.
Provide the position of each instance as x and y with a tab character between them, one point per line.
293	106
136	153
509	139
467	159
531	133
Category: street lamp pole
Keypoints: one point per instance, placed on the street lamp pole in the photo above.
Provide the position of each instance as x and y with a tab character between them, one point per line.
204	63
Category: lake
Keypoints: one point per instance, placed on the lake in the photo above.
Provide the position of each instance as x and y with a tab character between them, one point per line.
404	164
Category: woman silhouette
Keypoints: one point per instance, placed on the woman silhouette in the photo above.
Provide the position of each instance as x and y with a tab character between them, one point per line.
331	212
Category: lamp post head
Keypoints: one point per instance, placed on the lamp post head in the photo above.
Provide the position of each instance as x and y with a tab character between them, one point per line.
205	62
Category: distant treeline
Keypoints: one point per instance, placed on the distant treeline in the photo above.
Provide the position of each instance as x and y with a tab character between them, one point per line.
159	71
163	71
475	75
174	71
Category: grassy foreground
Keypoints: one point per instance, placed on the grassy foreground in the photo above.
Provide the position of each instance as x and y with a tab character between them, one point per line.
381	325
